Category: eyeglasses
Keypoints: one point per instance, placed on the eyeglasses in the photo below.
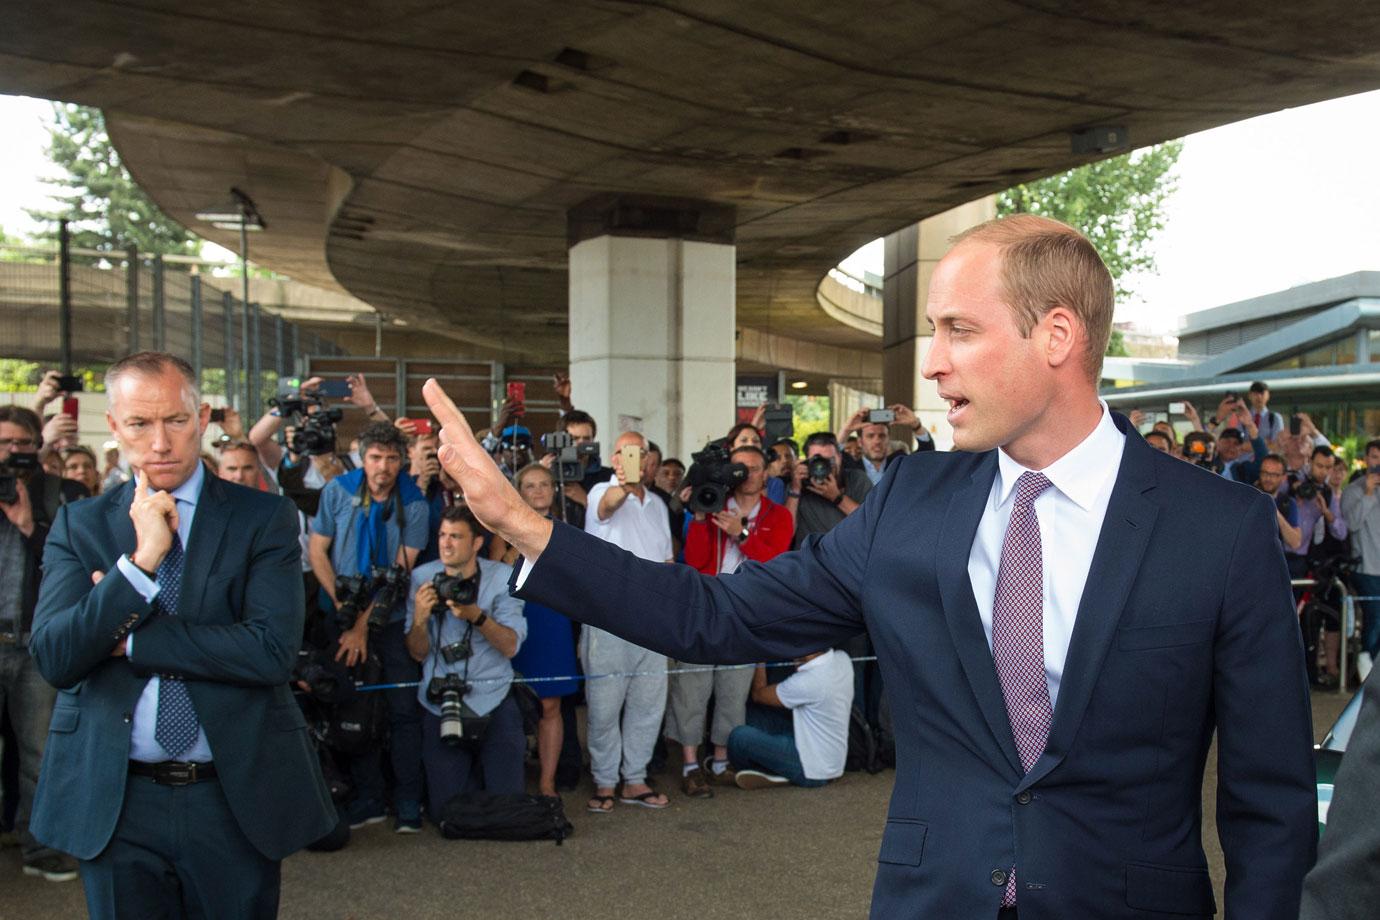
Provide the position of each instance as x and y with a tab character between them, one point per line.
21	443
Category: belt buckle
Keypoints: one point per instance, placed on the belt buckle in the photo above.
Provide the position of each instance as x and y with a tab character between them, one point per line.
176	774
9	638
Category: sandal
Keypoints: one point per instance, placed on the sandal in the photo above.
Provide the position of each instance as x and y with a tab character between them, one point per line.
599	804
644	800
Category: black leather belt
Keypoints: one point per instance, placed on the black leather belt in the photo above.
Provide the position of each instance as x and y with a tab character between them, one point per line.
173	772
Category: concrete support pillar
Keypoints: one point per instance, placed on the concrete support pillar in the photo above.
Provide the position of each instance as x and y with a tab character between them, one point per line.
910	257
652	320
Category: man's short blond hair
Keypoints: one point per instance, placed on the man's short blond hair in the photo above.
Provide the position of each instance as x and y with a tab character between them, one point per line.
1045	264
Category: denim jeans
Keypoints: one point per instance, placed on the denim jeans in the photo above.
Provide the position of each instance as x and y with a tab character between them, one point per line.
767	743
29	699
1369	586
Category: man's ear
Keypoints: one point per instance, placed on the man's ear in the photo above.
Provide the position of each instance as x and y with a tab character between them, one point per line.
1061	328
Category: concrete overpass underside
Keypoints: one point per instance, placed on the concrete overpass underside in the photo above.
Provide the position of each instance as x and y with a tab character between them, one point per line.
423	157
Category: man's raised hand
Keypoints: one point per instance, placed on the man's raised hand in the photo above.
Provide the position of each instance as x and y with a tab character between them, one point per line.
487	491
155	522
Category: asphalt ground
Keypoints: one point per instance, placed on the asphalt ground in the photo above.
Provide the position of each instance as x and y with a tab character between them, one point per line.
781	852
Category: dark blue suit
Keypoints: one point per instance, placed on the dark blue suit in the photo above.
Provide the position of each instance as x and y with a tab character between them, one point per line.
1186	625
236	635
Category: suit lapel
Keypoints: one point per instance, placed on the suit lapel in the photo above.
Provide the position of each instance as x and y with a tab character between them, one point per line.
966	506
121	527
1116	562
203	544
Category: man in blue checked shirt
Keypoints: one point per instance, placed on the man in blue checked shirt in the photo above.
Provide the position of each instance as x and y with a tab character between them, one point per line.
471	636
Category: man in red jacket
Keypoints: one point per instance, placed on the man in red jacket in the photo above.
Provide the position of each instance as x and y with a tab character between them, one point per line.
750	527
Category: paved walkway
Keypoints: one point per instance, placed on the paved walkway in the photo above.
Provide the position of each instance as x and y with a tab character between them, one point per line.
777	852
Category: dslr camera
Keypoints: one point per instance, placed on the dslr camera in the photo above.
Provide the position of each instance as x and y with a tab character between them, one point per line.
390	591
386	586
712	477
1306	489
821	468
17	466
351	596
571	459
455	588
315	434
448	692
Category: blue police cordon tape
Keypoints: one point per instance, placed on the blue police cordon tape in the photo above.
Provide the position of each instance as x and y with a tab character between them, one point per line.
700	669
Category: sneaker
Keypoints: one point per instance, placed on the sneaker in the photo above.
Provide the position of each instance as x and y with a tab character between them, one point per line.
725	778
756	779
409	819
55	867
363	812
695	785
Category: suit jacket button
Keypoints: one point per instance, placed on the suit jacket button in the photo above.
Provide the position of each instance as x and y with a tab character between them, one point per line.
128	717
1024	798
999	878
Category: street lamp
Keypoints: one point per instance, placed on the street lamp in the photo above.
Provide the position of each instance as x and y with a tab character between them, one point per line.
242	215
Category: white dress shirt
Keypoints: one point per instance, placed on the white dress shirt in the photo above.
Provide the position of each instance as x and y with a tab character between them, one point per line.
1070	516
142	745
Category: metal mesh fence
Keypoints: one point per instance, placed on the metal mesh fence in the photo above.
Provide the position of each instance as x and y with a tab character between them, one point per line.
161	303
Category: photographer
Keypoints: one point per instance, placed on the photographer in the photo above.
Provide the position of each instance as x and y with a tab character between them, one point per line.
287	468
1361	507
1237	430
822	494
372	521
875	437
625	712
464	645
798	731
426	474
1324	534
1200	448
750	526
582	430
30	499
1272	476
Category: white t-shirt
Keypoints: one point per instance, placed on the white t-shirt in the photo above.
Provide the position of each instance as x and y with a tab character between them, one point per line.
819	695
641	527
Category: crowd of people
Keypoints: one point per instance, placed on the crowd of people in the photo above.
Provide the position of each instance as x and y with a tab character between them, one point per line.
406	589
1326	506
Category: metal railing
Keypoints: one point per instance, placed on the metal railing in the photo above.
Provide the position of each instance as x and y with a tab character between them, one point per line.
62	306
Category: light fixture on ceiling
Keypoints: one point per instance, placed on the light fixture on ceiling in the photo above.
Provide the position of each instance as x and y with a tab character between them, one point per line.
799	384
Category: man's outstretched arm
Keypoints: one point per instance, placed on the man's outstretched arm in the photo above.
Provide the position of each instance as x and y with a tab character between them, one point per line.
800	602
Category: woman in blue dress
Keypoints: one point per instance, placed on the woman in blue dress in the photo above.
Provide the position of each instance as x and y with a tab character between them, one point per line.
549	649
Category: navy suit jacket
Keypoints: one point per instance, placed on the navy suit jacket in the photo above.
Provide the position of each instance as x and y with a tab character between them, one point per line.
236	635
1186	626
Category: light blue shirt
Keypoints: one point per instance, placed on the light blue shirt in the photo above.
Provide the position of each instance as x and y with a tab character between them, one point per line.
142	745
490	672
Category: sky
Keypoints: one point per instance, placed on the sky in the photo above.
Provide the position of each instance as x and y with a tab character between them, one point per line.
1261	205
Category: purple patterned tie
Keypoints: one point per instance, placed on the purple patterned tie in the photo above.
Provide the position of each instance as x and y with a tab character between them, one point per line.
1018	633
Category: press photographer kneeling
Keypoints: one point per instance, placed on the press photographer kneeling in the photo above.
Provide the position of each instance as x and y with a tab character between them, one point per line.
463	627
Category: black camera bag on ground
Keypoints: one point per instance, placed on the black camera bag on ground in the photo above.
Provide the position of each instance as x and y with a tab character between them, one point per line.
358	723
481	816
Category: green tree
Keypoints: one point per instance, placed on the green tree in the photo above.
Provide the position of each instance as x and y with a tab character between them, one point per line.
106	210
1118	203
809	414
